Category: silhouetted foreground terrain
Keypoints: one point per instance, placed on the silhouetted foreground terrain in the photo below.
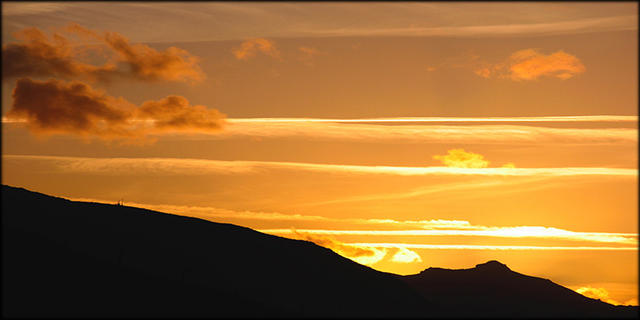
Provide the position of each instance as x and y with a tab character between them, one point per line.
63	258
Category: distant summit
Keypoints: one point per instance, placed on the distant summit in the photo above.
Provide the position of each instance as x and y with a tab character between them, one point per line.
491	289
492	266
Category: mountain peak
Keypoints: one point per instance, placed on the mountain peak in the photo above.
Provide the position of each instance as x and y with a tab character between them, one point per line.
492	265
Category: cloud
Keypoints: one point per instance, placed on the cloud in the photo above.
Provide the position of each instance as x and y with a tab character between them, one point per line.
176	114
55	107
434	227
592	118
614	23
485	231
404	255
184	166
39	56
307	55
60	56
27	8
458	158
483	72
603	295
249	48
360	254
427	131
529	64
484	247
430	130
146	63
58	107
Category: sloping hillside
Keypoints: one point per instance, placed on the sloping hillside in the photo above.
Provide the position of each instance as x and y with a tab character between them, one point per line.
67	258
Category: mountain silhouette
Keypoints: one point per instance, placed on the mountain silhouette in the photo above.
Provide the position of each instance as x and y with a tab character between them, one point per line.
491	289
64	258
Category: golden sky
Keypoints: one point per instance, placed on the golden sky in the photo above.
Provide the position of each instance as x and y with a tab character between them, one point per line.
400	135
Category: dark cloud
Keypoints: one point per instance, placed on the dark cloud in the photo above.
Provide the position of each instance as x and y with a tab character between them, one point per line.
59	56
55	106
175	113
39	56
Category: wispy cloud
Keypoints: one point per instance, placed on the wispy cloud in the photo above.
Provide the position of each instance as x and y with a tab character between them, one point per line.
201	166
519	130
249	48
429	130
590	118
215	214
428	228
484	231
487	247
307	55
27	8
627	22
291	19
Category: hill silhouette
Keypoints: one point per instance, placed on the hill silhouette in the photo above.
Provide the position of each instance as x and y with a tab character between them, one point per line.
64	258
491	289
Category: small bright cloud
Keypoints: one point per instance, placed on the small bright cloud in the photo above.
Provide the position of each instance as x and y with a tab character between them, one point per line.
360	254
529	64
458	158
249	48
509	165
603	295
405	255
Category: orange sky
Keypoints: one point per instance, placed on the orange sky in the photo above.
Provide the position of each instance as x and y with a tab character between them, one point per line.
401	135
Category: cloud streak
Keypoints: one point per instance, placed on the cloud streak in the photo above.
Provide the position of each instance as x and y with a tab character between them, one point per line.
332	19
37	55
435	133
432	130
58	107
484	231
590	118
428	228
201	166
626	22
487	247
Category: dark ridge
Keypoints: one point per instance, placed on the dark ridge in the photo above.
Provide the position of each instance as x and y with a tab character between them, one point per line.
63	258
77	259
493	266
491	289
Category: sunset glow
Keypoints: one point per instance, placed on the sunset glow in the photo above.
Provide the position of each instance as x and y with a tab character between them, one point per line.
401	136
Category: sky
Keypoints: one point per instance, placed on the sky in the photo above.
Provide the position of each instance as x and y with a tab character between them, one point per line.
400	135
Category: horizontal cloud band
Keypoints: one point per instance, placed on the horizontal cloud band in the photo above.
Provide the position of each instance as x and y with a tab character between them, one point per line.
483	247
604	118
421	130
508	232
431	130
202	166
